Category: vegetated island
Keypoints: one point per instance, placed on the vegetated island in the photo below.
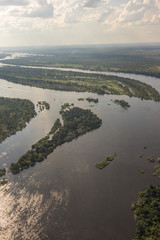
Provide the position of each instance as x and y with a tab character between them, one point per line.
2	172
107	161
147	214
141	170
79	82
151	159
157	170
14	114
122	103
76	122
94	100
43	105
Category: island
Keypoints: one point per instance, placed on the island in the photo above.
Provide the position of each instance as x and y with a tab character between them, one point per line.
106	162
147	214
2	172
151	159
79	82
81	99
122	103
43	105
157	170
76	122
14	114
141	170
94	100
89	99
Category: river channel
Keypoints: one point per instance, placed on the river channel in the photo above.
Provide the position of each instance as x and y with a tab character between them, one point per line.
66	197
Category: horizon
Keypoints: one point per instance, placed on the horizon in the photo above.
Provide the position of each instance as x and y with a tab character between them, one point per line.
107	45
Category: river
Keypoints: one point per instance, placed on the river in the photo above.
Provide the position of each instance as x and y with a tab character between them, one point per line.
65	197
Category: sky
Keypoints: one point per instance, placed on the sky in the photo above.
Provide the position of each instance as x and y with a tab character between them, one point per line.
75	22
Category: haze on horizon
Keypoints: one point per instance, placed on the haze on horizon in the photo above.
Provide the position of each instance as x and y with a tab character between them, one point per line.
71	22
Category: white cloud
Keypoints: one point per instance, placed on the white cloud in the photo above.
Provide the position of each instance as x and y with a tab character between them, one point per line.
14	2
94	3
26	16
43	11
66	12
140	12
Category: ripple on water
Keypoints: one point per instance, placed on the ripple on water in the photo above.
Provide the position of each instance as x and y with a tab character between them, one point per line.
21	213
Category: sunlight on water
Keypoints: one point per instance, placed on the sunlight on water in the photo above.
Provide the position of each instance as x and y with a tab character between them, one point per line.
21	212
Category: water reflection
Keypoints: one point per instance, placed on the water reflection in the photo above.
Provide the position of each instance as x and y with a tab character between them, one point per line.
21	211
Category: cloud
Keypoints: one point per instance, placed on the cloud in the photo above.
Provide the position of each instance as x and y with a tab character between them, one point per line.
85	11
140	12
134	13
44	11
92	3
95	3
105	15
42	15
14	2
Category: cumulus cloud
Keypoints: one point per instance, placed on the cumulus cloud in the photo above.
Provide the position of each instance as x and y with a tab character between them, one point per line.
43	11
14	2
140	12
95	3
133	13
92	3
106	14
50	14
85	11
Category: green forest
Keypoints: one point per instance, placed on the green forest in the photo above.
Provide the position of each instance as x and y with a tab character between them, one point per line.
132	59
14	114
76	122
147	214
